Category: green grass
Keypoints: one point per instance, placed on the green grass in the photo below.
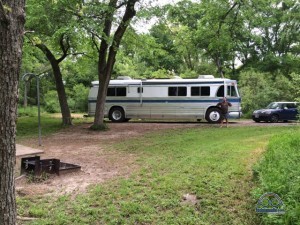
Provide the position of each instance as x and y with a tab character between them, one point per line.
279	172
27	126
212	163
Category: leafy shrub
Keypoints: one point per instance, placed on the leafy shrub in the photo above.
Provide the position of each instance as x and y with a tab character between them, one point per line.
279	172
80	98
296	81
51	102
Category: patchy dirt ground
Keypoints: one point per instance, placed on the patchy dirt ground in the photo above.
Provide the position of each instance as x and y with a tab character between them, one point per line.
78	145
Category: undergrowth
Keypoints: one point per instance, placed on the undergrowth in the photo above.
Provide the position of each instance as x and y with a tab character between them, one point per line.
279	172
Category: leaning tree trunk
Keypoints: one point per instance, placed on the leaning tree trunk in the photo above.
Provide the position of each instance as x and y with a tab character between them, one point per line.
12	19
105	68
62	97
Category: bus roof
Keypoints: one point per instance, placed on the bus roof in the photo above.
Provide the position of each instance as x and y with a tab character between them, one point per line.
165	81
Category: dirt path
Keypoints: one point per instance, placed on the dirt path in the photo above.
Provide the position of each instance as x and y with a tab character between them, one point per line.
78	145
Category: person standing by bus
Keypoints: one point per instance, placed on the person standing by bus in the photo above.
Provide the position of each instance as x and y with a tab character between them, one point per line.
224	105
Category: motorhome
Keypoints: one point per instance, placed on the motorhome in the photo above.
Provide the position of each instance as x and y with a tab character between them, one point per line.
167	98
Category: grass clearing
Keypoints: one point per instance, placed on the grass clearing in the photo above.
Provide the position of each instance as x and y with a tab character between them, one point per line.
209	163
27	126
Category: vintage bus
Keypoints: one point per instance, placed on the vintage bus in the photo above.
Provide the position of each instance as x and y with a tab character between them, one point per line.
167	98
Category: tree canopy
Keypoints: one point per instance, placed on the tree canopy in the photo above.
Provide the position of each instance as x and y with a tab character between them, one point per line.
189	38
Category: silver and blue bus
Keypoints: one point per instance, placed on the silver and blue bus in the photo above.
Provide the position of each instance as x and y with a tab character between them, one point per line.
167	99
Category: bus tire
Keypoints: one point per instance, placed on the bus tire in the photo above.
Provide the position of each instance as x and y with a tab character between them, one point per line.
117	114
213	115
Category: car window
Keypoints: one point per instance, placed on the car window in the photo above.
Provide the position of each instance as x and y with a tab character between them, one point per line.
273	105
291	106
283	106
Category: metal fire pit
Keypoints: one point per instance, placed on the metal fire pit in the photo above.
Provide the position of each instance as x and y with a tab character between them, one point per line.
52	166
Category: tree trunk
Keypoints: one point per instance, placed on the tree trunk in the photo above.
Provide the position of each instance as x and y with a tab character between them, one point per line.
64	107
62	97
219	66
11	42
102	55
105	72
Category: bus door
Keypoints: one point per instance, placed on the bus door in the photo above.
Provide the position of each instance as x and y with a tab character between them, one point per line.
231	93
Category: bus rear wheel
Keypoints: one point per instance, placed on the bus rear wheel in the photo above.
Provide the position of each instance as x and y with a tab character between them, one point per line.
116	114
213	115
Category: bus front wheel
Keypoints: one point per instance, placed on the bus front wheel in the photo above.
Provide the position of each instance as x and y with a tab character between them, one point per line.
116	114
213	115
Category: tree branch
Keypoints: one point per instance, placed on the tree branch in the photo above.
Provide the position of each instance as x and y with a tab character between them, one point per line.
64	46
224	17
104	43
128	15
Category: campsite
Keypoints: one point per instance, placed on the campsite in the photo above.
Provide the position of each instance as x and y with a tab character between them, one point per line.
149	172
149	112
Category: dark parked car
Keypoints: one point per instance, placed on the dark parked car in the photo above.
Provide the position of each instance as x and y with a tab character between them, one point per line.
276	111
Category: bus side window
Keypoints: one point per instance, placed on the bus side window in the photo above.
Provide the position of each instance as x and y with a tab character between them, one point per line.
172	91
111	91
121	91
116	91
177	91
200	91
220	92
181	91
205	91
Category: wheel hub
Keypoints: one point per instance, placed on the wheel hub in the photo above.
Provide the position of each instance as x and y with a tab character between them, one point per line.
214	116
117	115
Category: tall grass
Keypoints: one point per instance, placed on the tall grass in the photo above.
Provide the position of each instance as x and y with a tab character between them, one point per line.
279	172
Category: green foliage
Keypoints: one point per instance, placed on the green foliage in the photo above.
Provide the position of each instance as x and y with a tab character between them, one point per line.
191	38
259	89
279	172
30	111
83	71
77	99
161	73
296	81
189	74
80	97
51	102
